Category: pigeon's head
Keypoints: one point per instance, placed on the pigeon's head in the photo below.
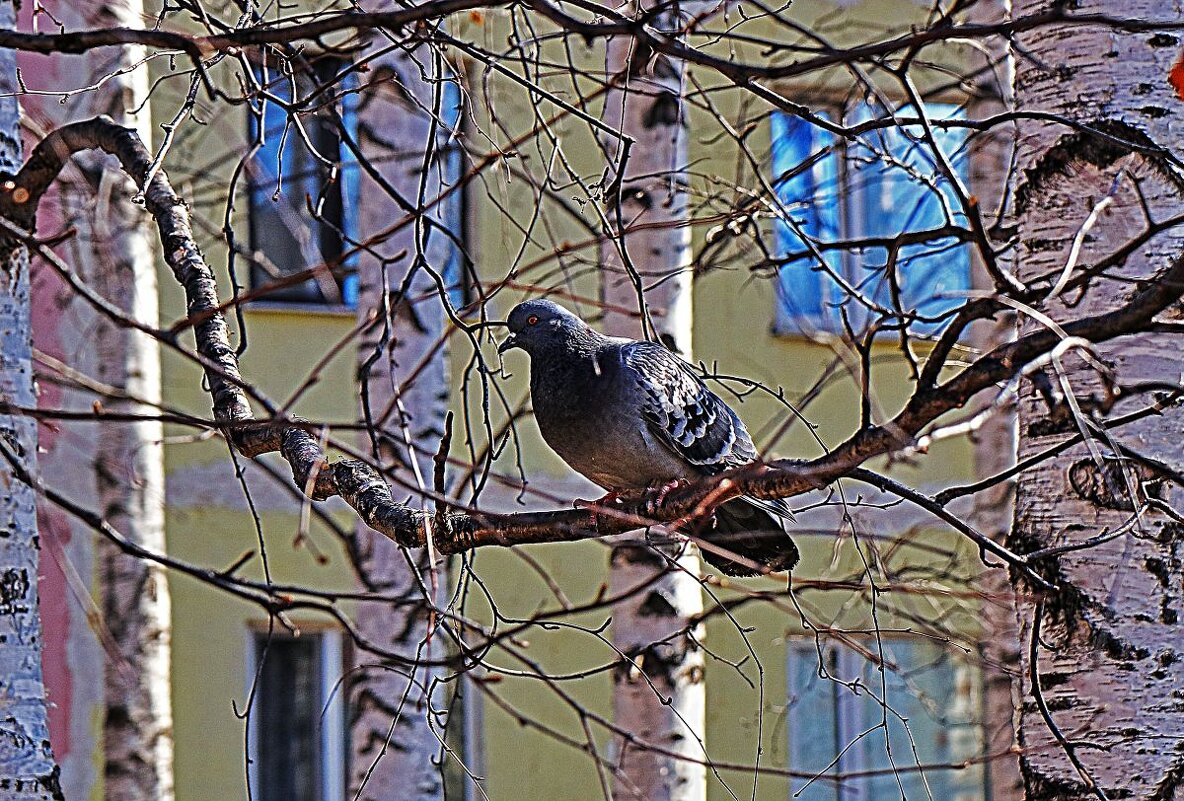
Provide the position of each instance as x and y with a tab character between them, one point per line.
540	325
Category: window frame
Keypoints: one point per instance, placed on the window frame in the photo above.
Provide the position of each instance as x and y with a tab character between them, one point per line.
332	741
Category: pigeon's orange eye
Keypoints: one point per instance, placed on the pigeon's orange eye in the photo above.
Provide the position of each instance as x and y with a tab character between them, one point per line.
532	319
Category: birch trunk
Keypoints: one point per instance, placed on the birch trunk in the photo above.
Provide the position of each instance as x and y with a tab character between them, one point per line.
995	442
1109	658
115	252
27	768
658	692
397	724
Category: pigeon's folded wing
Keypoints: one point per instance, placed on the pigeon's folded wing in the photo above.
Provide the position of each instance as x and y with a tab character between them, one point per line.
682	413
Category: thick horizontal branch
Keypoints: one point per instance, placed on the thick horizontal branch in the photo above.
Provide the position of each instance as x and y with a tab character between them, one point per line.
200	47
606	22
360	485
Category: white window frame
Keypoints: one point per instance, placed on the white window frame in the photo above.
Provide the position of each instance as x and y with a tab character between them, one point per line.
331	712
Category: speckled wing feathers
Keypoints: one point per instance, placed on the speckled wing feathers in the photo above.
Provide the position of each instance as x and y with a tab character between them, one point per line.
683	413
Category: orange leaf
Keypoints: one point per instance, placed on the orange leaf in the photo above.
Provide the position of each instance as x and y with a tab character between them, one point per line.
1176	77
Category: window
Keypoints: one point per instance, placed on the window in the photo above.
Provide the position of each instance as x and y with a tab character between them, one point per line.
297	745
882	184
285	176
457	213
832	726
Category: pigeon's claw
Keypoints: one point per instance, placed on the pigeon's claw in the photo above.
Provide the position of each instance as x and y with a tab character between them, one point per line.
667	488
609	499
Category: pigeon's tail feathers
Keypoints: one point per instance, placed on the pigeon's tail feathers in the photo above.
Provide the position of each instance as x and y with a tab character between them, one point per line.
753	529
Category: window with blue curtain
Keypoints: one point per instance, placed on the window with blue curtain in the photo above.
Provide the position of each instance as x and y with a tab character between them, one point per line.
286	176
836	731
456	212
881	184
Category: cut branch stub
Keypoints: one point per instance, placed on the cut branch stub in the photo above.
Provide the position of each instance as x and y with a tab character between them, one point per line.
1108	483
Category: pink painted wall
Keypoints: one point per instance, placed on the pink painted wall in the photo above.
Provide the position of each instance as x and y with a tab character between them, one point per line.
73	657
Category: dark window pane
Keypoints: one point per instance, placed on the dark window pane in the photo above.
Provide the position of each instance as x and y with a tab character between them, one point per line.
288	706
286	177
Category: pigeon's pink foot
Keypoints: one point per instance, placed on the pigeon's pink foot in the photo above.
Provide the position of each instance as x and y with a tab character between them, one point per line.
608	500
669	487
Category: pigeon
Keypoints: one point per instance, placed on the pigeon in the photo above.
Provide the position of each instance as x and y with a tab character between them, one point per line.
631	415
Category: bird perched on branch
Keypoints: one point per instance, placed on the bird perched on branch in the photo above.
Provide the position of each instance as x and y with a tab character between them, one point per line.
632	416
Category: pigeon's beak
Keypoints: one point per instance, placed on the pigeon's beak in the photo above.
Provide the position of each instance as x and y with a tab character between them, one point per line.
509	343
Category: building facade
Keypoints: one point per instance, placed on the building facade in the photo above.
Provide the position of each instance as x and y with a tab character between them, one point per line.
877	667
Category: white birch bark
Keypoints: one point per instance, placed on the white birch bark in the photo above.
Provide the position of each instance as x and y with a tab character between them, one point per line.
995	442
115	252
27	769
1110	656
397	722
658	694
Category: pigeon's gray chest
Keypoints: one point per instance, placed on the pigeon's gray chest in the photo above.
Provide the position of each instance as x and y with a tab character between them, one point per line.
592	417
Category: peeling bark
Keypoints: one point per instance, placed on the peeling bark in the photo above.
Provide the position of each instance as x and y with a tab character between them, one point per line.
1109	661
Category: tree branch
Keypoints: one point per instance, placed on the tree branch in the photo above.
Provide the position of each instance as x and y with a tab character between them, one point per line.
360	485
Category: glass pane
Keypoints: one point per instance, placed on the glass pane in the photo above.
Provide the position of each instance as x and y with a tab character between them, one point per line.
288	706
896	186
815	738
351	187
285	178
455	209
929	701
887	183
805	177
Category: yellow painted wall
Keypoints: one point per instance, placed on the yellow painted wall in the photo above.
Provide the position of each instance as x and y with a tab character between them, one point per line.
733	316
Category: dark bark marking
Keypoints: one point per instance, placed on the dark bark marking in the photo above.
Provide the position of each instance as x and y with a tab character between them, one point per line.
14	588
664	111
1115	647
1106	485
1171	532
656	605
637	554
1156	567
1087	148
1039	786
659	661
1067	604
639	196
1053	679
1173	779
1063	703
50	784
